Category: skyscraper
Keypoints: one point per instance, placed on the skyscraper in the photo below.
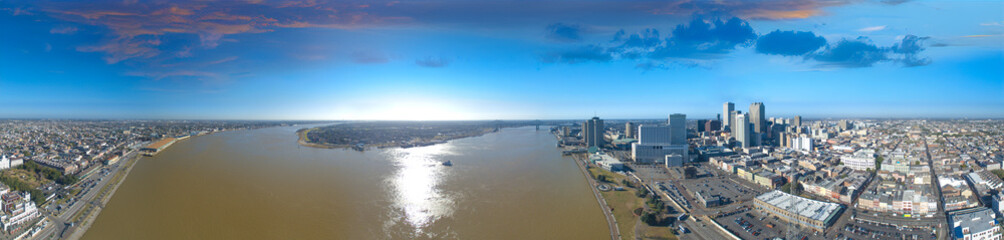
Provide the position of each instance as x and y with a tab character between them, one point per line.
756	117
712	125
741	130
630	130
678	126
727	109
798	121
592	131
732	117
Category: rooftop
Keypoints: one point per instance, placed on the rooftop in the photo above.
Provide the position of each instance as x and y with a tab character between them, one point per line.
812	209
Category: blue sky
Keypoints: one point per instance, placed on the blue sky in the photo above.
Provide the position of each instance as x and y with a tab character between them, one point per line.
420	60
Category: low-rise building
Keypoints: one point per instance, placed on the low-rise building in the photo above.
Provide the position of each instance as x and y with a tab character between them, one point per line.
810	213
974	224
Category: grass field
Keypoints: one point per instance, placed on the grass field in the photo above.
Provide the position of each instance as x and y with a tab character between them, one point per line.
623	204
30	178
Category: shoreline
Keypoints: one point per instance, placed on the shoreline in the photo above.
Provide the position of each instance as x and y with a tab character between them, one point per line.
93	216
301	135
111	188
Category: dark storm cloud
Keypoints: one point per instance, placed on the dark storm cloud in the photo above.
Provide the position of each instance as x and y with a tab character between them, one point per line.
564	32
789	43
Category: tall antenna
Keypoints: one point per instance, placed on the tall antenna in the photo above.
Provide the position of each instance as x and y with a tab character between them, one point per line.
791	233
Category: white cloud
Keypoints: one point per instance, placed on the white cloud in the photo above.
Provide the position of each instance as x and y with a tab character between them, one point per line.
872	29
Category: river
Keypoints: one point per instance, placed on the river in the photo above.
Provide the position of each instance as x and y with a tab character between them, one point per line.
260	184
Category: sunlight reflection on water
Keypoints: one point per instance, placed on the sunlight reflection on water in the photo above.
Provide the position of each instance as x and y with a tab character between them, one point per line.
415	185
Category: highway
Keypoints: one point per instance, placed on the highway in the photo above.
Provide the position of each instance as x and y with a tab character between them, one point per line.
59	228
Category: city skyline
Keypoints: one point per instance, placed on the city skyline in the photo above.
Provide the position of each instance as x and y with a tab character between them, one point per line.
447	60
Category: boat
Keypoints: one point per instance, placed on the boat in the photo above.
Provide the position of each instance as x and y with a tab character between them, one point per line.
448	163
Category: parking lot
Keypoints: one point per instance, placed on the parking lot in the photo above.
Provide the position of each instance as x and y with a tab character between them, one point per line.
720	186
861	230
748	223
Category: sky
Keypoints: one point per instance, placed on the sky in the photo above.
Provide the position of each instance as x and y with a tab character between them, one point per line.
484	60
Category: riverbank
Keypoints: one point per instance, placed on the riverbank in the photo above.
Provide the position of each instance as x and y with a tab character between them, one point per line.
621	204
303	141
104	195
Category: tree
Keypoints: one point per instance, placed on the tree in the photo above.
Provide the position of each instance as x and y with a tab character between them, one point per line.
999	173
642	192
650	218
787	187
878	162
601	178
627	183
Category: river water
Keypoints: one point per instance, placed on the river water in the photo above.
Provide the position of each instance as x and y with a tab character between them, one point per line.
260	184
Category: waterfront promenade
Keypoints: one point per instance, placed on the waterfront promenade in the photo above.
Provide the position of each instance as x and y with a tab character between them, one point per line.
611	221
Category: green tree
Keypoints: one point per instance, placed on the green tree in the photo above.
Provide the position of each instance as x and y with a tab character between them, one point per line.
878	162
641	192
650	218
999	173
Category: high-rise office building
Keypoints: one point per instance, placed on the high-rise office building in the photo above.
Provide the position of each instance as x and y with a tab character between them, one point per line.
651	134
630	130
592	130
741	130
712	125
727	109
678	124
757	117
732	117
798	121
845	125
700	124
662	143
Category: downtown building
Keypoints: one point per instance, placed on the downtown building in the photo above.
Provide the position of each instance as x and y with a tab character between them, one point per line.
663	143
592	132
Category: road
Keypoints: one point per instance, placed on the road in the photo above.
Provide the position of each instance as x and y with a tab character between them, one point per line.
615	233
936	186
59	228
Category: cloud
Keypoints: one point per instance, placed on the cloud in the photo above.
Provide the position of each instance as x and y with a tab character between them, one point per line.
764	10
432	62
993	24
894	2
909	47
202	75
564	32
702	39
695	41
588	53
789	43
872	29
369	57
63	30
851	53
130	25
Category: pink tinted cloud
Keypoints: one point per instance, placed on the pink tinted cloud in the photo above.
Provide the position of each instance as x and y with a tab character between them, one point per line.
135	27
